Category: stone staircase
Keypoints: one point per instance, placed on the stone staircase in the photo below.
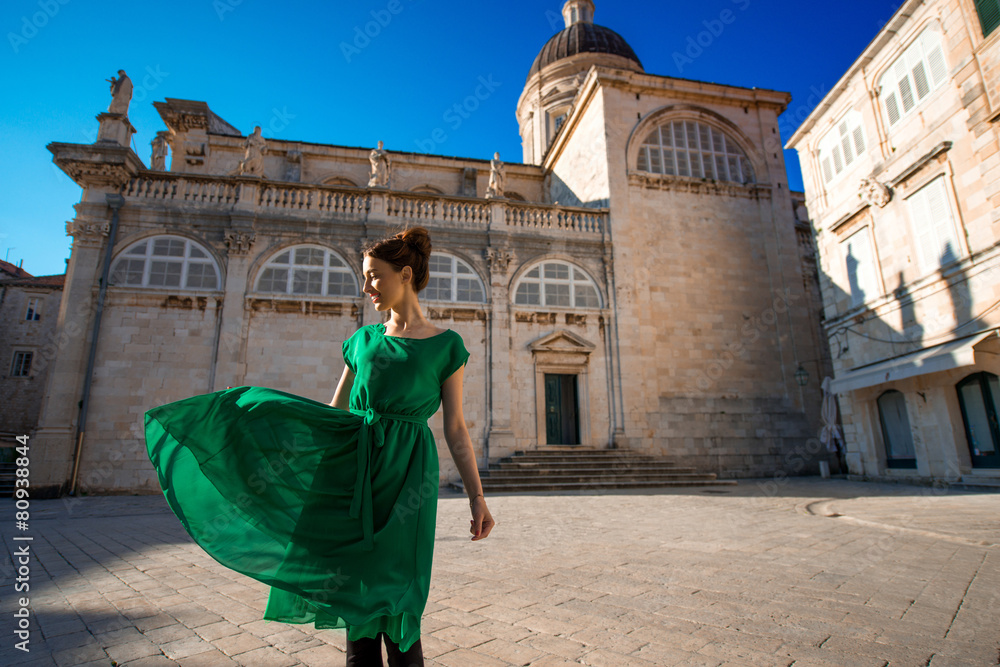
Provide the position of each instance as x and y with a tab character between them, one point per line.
571	467
7	478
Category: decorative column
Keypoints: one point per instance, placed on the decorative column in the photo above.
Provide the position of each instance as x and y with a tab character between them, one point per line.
500	439
232	323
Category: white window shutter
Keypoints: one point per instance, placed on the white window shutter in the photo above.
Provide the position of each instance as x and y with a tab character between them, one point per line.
943	224
859	140
939	72
892	108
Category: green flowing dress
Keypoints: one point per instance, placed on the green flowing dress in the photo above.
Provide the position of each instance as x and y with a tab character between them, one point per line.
335	510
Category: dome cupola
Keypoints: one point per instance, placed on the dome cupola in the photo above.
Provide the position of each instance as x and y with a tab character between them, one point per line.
582	35
558	72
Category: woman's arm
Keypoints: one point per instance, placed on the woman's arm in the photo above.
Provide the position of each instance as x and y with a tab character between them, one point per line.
456	434
342	397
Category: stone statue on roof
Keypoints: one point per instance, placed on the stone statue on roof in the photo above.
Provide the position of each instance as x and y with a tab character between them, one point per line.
121	93
381	167
160	150
498	178
255	147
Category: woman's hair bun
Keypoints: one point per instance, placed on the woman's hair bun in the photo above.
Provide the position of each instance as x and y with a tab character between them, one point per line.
419	238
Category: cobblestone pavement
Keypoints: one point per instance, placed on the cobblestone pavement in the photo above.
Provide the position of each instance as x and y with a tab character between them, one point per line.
793	572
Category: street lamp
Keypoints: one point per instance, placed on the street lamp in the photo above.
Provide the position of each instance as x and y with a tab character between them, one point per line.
801	376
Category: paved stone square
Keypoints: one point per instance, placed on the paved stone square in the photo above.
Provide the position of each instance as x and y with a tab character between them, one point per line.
789	572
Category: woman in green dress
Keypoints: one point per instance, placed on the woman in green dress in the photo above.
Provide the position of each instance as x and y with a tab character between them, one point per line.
334	506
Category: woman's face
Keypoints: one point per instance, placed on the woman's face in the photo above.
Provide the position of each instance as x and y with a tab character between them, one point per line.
384	284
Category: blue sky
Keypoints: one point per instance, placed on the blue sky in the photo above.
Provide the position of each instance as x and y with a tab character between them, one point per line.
285	66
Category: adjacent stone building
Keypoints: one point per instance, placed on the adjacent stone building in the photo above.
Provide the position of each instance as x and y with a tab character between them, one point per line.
902	176
639	282
29	308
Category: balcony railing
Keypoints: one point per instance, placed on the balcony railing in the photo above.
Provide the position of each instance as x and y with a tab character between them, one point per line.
323	201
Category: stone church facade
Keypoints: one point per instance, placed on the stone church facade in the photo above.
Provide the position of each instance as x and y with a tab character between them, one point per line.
642	280
901	162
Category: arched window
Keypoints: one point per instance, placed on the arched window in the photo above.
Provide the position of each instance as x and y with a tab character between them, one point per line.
308	270
896	432
918	71
451	279
166	261
690	148
558	284
979	397
427	190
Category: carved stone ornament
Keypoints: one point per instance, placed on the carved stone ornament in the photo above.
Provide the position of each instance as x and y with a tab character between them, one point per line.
239	242
498	260
87	230
874	193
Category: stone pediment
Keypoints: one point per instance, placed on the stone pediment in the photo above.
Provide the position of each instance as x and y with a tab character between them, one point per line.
562	341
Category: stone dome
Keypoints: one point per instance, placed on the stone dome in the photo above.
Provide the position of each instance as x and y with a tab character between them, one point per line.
583	37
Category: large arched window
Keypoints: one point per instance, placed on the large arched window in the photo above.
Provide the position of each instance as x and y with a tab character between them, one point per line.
166	261
690	148
308	270
558	284
451	279
896	434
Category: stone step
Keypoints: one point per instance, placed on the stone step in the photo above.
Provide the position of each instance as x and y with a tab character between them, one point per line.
565	479
601	460
582	461
571	467
543	485
585	472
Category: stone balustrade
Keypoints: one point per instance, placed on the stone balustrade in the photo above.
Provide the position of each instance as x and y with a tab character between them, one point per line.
431	210
286	197
321	201
536	216
184	189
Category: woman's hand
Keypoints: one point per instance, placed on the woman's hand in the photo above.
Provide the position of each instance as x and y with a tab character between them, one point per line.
482	521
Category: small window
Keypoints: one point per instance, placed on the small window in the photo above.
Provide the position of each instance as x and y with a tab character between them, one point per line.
842	147
690	148
21	366
933	226
989	15
557	284
33	313
859	261
451	279
918	71
166	262
308	271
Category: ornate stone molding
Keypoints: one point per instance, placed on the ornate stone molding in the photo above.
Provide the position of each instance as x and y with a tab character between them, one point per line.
499	260
239	242
87	231
697	185
874	193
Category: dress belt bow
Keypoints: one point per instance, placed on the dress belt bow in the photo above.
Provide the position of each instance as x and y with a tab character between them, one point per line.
372	433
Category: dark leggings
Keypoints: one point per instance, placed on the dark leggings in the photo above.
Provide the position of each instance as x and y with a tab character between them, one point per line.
367	652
